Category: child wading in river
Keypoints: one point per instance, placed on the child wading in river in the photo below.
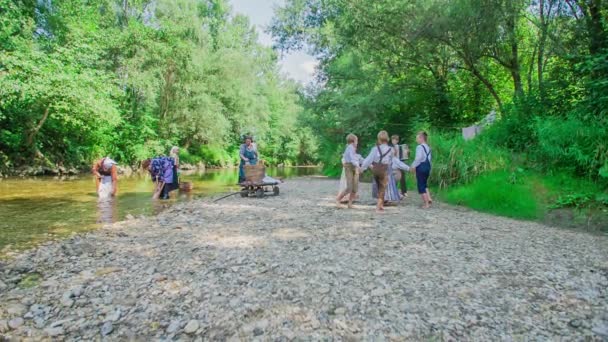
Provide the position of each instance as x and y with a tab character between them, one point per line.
351	170
422	168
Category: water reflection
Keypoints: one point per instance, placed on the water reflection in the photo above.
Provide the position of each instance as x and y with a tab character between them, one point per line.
107	210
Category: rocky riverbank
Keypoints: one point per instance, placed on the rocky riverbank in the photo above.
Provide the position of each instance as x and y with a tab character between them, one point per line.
45	170
294	266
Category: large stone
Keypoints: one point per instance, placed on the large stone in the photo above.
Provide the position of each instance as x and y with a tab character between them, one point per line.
16	309
107	328
15	323
601	330
191	327
3	326
114	316
54	332
174	326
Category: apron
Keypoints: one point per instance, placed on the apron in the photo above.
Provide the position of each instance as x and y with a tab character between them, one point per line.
251	155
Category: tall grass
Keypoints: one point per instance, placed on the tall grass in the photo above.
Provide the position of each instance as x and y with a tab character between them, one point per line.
501	193
456	161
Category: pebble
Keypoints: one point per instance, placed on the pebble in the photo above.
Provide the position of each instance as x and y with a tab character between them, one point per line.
3	326
67	302
377	273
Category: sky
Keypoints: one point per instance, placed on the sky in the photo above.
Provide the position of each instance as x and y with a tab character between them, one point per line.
297	65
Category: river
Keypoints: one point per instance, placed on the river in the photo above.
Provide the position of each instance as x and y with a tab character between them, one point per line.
33	210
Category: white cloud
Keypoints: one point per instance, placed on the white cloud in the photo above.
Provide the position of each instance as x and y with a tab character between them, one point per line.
309	67
297	65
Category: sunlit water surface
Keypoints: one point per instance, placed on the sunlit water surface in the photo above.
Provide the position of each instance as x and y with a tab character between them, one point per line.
38	209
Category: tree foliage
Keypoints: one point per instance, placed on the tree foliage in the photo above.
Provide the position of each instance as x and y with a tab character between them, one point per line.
401	64
130	78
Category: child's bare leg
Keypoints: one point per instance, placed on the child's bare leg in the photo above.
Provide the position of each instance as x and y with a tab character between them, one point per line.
425	199
380	205
351	198
428	195
340	196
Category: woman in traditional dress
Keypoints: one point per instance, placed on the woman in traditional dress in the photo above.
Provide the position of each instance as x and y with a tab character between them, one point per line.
174	153
106	178
249	156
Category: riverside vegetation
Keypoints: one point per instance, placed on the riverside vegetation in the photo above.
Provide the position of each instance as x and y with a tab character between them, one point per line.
406	65
134	77
130	78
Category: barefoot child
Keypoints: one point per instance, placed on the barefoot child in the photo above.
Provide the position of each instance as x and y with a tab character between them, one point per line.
379	159
342	188
351	170
422	168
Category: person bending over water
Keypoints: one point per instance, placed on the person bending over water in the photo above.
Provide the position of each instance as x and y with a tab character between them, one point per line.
422	168
174	153
106	178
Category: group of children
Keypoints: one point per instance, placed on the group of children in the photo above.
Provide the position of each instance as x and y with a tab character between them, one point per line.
387	165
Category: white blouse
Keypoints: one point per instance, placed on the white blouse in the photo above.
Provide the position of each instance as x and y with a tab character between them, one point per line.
374	156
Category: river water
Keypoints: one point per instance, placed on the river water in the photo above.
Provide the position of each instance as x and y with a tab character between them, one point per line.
33	210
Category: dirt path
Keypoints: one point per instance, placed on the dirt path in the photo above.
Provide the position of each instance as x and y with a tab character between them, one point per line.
294	266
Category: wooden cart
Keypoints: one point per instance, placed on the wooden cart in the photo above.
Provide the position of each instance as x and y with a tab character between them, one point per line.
255	185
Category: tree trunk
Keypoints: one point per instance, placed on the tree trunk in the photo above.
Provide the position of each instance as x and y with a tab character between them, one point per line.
544	28
597	34
531	69
443	112
30	138
514	63
488	85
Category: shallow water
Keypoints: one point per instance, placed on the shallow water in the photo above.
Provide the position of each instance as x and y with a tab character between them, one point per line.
37	209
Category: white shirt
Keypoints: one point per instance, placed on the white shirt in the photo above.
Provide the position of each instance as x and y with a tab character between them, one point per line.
374	156
350	155
421	154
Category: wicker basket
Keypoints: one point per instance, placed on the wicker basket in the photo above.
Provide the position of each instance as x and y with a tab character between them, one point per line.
255	173
186	186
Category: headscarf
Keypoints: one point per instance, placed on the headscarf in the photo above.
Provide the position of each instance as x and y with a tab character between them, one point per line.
107	163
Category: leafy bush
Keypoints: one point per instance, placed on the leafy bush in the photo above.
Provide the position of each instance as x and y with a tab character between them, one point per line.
186	157
218	156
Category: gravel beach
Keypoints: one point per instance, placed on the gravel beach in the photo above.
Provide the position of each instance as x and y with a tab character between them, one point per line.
295	267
